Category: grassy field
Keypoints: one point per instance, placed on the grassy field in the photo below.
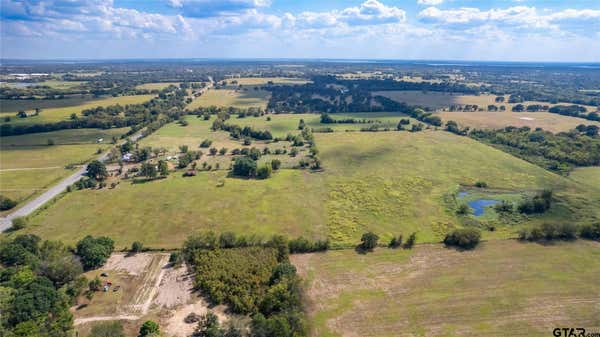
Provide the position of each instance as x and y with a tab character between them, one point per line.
163	213
28	166
56	84
229	97
63	137
171	136
264	80
400	182
281	125
499	119
63	113
13	105
501	288
437	100
156	86
23	184
388	182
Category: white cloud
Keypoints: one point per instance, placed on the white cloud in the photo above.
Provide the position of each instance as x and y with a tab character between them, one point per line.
518	16
430	2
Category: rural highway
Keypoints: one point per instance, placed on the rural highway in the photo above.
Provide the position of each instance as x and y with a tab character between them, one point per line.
32	205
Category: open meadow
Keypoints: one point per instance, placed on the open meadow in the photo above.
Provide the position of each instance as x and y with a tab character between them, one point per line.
499	119
258	81
501	288
156	86
57	114
388	182
239	98
28	165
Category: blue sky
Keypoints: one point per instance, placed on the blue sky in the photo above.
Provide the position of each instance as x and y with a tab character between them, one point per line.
502	30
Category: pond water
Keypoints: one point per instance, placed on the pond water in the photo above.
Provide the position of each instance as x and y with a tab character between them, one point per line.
479	205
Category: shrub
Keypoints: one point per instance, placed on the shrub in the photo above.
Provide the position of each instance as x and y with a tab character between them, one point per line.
466	238
549	232
538	204
175	258
275	164
410	242
244	167
303	245
481	184
149	328
206	143
264	171
463	209
19	223
368	241
94	251
591	231
504	207
396	242
137	247
223	151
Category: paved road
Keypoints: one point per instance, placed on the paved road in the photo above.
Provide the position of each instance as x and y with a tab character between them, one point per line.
32	205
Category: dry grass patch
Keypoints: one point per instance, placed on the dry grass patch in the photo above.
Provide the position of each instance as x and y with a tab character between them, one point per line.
527	289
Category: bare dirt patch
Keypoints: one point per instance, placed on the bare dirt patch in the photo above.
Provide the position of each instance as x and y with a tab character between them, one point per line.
175	324
131	264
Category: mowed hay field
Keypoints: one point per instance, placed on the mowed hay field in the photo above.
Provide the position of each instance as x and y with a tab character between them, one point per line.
499	119
243	98
502	288
487	119
388	182
13	105
57	114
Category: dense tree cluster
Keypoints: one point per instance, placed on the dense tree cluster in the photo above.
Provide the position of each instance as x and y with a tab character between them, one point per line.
38	282
167	106
558	152
255	280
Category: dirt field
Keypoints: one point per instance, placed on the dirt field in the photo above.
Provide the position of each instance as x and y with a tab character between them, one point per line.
149	288
502	288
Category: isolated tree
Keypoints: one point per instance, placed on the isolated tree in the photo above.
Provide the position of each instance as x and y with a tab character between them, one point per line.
148	170
149	328
368	241
137	247
410	242
183	148
163	168
244	167
94	251
6	203
264	171
97	170
275	164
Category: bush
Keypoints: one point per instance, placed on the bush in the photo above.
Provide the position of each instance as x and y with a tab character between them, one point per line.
275	164
137	247
244	167
18	223
481	184
591	231
538	204
149	328
264	171
303	245
6	203
549	232
175	258
94	251
368	241
410	242
395	242
466	238
463	209
206	143
504	207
